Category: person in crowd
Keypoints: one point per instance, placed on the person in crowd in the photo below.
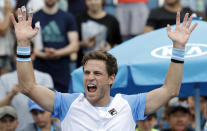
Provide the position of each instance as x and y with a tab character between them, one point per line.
161	16
8	119
205	114
132	15
97	29
178	117
7	38
96	109
191	104
9	92
59	39
148	124
42	119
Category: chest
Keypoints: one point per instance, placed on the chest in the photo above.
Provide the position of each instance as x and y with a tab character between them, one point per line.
83	116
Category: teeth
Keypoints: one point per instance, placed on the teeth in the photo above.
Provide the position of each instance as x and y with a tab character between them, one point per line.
91	85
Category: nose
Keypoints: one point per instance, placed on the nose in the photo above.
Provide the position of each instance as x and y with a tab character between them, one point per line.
8	124
91	77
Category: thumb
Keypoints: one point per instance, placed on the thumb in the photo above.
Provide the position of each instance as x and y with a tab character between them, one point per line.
37	27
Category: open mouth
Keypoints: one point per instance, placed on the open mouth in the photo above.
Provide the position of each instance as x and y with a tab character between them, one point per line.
91	88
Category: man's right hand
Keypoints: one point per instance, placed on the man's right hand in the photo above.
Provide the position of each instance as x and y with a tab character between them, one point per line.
23	29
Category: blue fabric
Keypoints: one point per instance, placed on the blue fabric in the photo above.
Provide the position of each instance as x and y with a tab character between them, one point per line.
33	105
144	60
137	104
23	48
76	6
23	59
62	104
178	54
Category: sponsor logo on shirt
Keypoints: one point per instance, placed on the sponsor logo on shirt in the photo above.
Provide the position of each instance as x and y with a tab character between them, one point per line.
112	112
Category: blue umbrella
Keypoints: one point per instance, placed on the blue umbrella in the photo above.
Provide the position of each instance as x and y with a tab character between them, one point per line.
143	62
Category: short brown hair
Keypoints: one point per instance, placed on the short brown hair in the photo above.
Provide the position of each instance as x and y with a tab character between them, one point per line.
111	63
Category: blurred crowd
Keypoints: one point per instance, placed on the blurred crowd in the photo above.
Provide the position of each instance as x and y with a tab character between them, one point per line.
68	30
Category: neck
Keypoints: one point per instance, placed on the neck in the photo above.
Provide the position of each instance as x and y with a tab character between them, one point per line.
97	14
173	7
103	101
51	10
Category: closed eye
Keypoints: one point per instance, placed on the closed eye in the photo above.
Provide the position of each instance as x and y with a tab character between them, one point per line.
97	73
86	72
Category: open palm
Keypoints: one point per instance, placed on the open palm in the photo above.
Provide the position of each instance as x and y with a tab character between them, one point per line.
182	32
23	28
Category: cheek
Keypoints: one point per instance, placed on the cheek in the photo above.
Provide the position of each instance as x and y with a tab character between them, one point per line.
2	126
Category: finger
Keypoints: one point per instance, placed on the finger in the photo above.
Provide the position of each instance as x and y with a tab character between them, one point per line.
30	16
168	28
35	31
178	19
194	26
13	19
24	14
190	20
37	25
19	15
185	19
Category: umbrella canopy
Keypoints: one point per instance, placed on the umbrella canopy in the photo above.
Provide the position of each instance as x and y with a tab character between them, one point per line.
143	63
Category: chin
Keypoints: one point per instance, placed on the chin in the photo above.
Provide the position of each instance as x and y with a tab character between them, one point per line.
91	99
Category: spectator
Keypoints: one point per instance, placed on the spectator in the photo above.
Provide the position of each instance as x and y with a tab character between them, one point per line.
6	38
42	119
191	104
97	29
160	17
147	124
132	15
178	117
8	118
60	39
205	114
9	93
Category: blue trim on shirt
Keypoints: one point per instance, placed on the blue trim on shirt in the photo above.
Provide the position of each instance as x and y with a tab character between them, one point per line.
62	104
137	104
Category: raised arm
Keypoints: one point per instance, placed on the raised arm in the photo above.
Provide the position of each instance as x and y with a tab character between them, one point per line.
158	97
24	32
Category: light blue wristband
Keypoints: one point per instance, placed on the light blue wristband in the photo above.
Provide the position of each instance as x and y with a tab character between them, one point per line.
178	54
23	53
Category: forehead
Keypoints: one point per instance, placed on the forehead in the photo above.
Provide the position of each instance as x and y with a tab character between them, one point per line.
7	117
95	65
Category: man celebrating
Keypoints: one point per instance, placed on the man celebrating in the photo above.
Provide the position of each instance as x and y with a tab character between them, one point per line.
96	110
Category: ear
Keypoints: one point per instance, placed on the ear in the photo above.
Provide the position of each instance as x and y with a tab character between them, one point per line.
112	79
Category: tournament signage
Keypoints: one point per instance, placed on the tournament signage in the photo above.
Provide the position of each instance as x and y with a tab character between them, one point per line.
192	50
